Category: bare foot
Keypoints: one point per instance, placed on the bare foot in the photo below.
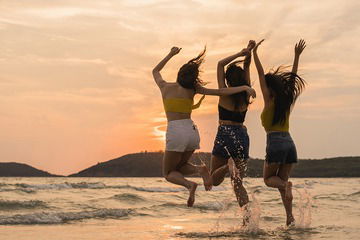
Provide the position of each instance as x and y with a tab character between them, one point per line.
290	220
288	191
192	190
204	173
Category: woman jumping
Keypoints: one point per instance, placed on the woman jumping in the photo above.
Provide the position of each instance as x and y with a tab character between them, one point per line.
280	90
232	140
182	136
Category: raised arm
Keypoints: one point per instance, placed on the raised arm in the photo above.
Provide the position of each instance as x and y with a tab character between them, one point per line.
225	91
156	71
264	89
299	47
222	63
247	61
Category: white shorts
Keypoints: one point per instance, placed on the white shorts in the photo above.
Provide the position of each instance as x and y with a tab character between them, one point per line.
182	135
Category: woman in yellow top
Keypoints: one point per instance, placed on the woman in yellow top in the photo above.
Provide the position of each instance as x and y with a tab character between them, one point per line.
280	90
182	136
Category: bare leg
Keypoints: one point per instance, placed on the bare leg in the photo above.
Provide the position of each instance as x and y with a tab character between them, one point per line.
219	168
237	172
237	175
276	176
286	196
190	169
271	178
170	163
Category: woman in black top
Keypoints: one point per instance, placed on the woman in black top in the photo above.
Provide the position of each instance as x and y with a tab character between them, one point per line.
232	140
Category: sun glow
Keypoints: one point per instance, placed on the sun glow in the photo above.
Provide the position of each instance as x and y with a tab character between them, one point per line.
159	131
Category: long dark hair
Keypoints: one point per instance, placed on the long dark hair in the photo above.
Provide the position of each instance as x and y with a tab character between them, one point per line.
286	88
188	75
235	76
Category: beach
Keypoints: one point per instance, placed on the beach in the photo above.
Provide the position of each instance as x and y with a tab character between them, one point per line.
151	208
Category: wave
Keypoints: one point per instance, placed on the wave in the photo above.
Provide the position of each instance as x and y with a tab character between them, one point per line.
354	194
247	233
64	217
128	197
204	206
31	188
273	200
223	234
84	185
154	189
12	205
25	190
338	197
65	185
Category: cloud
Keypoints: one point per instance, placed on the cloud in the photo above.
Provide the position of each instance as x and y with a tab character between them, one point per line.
76	75
347	21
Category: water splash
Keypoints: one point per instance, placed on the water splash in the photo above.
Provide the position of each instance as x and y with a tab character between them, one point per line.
226	205
252	214
251	211
304	208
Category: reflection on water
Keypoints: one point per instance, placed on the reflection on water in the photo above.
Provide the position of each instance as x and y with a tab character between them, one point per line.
151	208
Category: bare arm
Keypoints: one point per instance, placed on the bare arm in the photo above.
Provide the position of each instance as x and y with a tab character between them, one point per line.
247	61
156	71
222	63
299	47
225	91
264	89
197	105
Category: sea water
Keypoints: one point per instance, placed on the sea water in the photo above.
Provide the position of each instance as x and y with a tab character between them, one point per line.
151	208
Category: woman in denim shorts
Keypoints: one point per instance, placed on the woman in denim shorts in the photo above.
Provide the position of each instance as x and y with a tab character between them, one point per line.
280	90
182	136
232	140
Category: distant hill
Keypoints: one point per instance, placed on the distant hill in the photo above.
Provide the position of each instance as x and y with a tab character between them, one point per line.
12	169
149	164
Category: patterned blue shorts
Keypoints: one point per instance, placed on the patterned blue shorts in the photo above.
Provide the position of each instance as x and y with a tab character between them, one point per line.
231	141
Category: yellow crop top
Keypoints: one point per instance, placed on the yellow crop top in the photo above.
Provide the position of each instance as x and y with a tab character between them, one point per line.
181	105
267	116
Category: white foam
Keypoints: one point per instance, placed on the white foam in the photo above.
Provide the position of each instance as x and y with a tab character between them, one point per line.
63	217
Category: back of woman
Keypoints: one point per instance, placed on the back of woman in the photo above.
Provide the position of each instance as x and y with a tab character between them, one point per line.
280	90
182	136
231	145
176	96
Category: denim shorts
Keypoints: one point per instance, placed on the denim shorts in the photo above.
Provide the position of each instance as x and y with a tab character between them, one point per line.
280	148
231	141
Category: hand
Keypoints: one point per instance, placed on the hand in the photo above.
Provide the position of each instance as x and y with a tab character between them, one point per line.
174	51
299	47
257	45
251	92
251	44
245	52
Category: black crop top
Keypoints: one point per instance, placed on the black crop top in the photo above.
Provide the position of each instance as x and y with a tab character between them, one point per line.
234	116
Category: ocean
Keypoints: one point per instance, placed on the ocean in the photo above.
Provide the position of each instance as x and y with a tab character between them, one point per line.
151	208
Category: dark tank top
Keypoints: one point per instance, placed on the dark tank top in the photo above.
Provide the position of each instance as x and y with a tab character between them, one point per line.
228	115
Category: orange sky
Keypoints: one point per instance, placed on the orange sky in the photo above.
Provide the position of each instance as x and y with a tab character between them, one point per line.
76	85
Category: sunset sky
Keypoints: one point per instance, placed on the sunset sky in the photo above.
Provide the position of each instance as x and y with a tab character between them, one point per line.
76	85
